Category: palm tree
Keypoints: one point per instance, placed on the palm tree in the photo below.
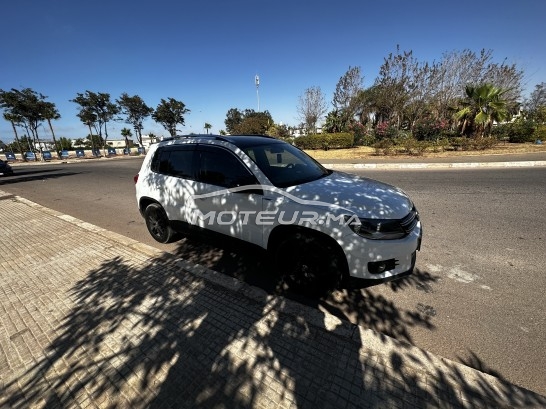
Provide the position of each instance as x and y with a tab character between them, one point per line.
207	127
483	106
126	133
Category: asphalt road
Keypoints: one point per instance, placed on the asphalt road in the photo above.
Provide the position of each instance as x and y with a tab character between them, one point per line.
476	296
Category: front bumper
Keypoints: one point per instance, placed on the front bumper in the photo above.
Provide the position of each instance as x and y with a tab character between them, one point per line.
398	255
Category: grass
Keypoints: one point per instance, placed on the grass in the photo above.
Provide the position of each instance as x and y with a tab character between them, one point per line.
365	152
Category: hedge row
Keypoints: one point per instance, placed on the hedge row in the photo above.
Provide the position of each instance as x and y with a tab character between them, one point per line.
411	146
325	141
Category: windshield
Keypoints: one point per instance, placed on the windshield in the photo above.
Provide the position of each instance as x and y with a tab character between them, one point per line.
285	165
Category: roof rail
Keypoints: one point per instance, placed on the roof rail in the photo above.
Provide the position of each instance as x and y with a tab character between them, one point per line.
257	135
224	138
177	137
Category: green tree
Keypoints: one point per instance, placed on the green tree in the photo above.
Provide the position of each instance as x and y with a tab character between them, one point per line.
170	113
279	131
14	119
234	117
135	111
365	105
65	143
93	140
50	112
483	105
27	144
394	86
96	110
252	126
126	133
252	123
207	127
346	90
536	104
88	118
29	108
334	122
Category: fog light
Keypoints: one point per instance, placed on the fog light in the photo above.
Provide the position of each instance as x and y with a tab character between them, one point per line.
378	267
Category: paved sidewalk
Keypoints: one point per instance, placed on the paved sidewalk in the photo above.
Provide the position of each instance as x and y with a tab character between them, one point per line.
89	318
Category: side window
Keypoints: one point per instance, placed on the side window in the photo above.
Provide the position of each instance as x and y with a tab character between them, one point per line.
163	163
155	160
180	162
220	167
175	161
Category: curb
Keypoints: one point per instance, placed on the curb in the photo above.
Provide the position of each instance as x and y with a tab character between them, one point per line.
345	166
429	165
73	160
373	343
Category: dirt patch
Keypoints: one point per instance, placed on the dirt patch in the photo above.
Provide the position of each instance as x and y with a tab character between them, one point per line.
365	152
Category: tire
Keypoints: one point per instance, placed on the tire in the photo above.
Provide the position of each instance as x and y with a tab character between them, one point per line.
158	224
309	263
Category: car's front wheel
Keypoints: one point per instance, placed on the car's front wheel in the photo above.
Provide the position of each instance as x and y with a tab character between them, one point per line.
310	263
158	224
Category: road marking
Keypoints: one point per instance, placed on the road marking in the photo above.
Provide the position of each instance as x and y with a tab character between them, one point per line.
458	274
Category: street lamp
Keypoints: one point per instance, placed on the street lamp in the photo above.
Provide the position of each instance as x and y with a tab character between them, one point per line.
257	82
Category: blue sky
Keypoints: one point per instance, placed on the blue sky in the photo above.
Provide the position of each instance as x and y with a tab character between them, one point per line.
206	54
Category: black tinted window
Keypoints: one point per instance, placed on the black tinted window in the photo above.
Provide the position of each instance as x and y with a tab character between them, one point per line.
176	162
217	166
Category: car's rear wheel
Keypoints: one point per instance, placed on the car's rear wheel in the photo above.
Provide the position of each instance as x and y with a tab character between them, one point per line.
158	224
309	263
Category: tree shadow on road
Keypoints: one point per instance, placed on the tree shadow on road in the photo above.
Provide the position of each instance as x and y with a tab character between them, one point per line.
163	334
33	175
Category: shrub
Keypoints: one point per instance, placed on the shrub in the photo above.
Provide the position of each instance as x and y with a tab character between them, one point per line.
429	129
412	146
501	132
481	144
516	132
362	135
439	145
521	131
449	133
340	140
325	141
460	143
384	130
309	142
540	133
366	140
385	147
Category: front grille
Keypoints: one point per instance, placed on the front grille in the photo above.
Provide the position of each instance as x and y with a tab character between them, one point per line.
409	222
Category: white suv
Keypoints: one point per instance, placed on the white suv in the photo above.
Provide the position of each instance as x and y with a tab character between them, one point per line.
322	226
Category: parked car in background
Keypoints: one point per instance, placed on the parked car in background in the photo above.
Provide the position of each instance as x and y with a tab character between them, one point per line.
5	168
321	226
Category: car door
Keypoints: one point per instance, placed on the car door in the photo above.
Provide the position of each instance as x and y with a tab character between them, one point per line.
174	187
222	198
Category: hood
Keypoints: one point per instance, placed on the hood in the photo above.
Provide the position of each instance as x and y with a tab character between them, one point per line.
365	197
